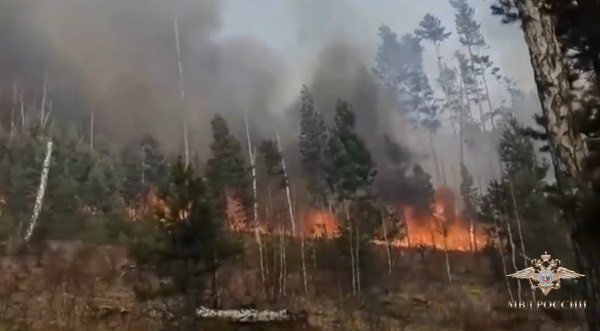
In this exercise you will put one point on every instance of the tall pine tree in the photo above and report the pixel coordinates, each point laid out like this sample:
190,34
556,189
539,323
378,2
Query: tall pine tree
227,170
312,144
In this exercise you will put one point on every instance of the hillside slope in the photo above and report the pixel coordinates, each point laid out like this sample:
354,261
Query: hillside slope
70,286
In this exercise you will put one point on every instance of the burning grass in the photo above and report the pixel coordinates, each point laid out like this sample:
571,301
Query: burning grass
445,228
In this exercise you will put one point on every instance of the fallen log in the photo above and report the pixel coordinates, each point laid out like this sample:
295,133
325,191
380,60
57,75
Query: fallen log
250,315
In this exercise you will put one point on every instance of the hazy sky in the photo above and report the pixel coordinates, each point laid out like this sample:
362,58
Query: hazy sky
284,25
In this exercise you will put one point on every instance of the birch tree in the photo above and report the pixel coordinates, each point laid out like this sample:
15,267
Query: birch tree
39,199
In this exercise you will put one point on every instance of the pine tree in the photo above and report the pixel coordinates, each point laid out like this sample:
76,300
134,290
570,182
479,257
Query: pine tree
422,100
388,65
451,86
146,168
188,246
527,220
469,33
351,171
227,171
351,167
564,113
431,30
312,144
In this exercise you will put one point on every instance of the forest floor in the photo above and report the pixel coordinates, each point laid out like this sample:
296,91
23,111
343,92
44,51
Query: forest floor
71,286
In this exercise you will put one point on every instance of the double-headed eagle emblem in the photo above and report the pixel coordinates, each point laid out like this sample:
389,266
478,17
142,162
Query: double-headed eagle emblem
546,273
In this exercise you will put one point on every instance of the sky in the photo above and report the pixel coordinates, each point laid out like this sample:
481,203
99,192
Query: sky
270,21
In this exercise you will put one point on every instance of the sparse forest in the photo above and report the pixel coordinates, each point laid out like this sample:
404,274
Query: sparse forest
323,208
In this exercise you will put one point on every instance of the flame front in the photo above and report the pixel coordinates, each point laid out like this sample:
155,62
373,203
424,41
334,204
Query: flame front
444,228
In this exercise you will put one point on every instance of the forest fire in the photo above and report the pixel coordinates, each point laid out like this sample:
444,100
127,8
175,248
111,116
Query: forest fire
445,229
321,224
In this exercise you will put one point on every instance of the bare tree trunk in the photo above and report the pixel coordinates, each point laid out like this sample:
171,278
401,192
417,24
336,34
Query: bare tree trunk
92,130
268,213
216,292
462,124
12,110
454,181
444,174
287,188
181,92
387,244
481,117
403,213
445,234
284,260
303,265
43,106
357,260
518,219
501,251
47,114
438,175
431,232
472,236
352,256
252,156
22,110
487,95
41,191
513,249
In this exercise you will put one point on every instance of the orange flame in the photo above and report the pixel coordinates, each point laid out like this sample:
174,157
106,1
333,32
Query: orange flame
445,229
320,224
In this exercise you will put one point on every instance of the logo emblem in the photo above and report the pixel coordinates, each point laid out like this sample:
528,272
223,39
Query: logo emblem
546,273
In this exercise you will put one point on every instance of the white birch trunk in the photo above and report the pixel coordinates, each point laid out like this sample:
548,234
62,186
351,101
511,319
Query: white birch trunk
387,245
357,262
92,130
12,110
480,107
41,191
252,156
518,219
448,270
287,188
303,265
487,95
22,110
283,271
43,106
47,114
181,91
247,315
352,256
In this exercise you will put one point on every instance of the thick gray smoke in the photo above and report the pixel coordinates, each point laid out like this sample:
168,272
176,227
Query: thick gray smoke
119,58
